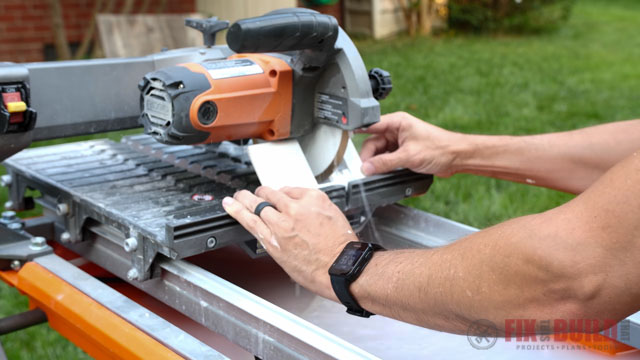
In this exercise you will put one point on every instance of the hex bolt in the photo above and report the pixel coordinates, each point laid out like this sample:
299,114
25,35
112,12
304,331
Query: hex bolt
211,242
130,244
9,216
132,274
65,237
8,205
16,225
38,243
15,265
62,209
5,180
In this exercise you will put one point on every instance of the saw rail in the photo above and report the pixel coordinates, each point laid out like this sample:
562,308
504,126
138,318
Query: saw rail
252,321
271,325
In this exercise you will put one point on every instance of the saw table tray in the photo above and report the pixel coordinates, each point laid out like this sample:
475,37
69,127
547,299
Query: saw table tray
166,199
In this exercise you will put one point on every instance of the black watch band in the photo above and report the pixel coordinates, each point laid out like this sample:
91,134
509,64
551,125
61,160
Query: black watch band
341,288
346,269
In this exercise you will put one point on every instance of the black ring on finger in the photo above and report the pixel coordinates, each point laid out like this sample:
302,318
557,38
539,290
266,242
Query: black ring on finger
261,207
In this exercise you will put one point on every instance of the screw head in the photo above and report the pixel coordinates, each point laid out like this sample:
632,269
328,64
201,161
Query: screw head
8,205
408,191
5,180
130,244
62,209
211,242
132,274
38,242
65,237
15,265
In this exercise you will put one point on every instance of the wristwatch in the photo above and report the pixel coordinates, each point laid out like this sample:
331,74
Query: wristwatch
346,269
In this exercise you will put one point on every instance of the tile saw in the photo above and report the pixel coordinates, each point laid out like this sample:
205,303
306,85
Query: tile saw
277,105
134,256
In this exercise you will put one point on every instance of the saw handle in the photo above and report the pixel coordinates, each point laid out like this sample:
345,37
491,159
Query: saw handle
278,32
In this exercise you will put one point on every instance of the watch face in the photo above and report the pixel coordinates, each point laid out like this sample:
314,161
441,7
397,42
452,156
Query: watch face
348,258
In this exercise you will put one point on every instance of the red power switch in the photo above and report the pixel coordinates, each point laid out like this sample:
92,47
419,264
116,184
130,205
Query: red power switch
15,105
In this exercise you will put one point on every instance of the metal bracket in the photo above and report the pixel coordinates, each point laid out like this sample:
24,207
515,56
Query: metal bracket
18,247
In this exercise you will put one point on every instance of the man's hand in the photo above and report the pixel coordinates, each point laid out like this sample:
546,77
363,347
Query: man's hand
400,140
304,233
568,161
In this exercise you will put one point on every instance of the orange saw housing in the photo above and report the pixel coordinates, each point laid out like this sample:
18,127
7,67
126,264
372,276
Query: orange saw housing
244,96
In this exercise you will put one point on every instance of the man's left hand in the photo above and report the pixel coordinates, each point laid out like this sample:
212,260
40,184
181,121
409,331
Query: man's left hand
304,233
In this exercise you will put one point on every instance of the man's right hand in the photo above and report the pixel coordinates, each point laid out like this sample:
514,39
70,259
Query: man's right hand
400,140
567,161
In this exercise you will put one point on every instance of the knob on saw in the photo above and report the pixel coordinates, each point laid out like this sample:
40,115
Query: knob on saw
208,27
380,83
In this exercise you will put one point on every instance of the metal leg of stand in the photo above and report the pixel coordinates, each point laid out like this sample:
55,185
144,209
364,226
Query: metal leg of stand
22,321
3,356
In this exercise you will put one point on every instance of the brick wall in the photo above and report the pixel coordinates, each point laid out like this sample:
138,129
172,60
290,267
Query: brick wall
25,25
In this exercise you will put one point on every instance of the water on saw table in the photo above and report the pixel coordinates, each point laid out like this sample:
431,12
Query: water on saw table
368,213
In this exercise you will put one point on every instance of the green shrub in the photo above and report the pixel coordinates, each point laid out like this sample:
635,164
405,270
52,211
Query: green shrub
519,16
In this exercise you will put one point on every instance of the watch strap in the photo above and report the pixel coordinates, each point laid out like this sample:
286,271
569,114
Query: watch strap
341,288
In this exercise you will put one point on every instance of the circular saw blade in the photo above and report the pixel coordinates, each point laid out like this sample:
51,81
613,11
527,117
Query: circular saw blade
324,149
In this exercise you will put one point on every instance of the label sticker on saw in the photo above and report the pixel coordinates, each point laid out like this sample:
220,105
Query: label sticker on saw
202,197
223,69
331,108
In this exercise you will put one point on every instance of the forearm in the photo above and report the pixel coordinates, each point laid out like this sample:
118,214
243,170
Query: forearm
577,261
568,161
489,275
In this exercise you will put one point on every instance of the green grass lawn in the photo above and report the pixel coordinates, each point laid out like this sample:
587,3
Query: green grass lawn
584,74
